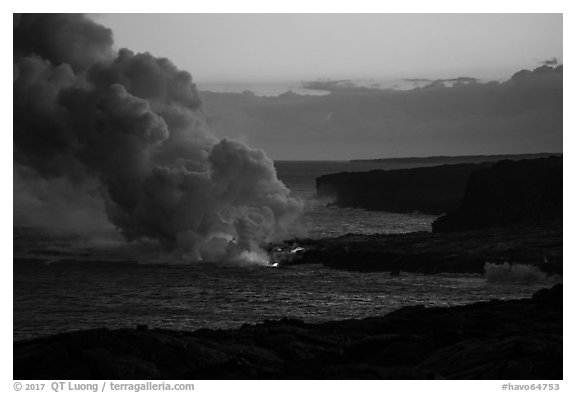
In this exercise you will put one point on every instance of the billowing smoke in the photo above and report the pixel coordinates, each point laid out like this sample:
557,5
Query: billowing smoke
130,128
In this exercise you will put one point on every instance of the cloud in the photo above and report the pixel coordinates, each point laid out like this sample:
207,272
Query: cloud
445,117
553,61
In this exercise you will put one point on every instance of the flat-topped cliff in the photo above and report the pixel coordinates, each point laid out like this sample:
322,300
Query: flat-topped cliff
432,190
510,192
487,194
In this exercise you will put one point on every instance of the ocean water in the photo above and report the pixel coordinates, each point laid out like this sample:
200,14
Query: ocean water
78,278
320,219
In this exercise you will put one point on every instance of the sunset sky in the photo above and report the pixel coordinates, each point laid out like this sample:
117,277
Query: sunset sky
291,47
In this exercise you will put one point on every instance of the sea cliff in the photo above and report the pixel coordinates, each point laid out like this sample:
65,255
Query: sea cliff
508,193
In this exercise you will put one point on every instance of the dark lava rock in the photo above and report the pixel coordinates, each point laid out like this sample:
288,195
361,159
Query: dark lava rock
510,192
424,252
515,339
433,190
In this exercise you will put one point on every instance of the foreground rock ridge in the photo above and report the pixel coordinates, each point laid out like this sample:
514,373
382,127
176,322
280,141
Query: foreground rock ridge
514,339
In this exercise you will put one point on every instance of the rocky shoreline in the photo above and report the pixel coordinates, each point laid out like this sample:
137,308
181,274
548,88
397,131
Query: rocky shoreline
430,190
515,339
539,245
475,195
507,216
503,212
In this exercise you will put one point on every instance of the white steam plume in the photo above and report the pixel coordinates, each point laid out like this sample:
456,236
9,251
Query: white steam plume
133,124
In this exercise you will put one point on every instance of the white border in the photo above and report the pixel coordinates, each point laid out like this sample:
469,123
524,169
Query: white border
248,6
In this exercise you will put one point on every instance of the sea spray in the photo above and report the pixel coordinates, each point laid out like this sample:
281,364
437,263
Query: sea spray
507,272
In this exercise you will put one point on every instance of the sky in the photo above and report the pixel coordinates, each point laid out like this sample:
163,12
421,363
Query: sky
240,48
269,54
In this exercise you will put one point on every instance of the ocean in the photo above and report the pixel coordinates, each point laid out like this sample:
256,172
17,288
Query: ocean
67,279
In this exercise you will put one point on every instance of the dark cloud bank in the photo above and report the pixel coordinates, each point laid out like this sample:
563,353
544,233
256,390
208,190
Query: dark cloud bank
459,116
98,130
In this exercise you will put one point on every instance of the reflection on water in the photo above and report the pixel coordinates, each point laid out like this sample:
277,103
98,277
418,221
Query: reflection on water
63,297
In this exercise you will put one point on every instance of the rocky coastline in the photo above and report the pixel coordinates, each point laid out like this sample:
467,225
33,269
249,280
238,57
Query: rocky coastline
514,339
491,193
539,245
509,340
